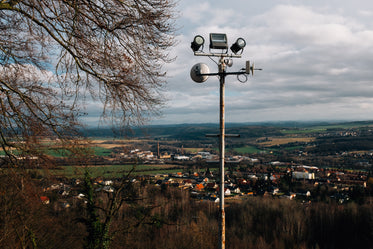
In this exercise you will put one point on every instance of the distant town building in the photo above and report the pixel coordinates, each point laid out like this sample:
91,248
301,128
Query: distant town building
303,175
205,155
181,158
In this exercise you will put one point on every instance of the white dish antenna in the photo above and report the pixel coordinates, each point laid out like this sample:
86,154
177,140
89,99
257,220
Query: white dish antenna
197,70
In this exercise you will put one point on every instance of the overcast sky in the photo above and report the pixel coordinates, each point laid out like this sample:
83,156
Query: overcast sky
317,60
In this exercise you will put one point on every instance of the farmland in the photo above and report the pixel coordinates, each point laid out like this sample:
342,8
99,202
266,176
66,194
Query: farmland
113,171
273,141
177,177
111,156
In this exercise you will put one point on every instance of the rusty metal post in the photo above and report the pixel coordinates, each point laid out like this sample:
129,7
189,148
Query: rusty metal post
200,74
222,67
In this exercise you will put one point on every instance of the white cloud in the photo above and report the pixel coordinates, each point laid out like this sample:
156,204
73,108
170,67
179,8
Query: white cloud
316,59
27,72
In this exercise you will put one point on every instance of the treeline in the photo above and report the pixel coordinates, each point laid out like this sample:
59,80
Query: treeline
165,217
255,223
185,132
268,223
330,145
246,130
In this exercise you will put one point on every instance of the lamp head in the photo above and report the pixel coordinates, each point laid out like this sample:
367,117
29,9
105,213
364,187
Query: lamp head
197,43
238,45
218,41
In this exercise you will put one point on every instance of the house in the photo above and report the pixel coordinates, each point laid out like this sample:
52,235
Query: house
65,205
199,187
188,183
303,175
108,189
242,182
276,163
214,199
165,156
275,178
211,186
182,158
98,180
108,182
291,196
252,177
55,186
44,200
304,193
235,189
275,191
204,155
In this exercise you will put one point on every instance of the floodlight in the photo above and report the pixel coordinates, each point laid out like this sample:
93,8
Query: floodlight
218,41
238,45
197,42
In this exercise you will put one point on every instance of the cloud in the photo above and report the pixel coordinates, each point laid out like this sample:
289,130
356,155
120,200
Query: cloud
316,60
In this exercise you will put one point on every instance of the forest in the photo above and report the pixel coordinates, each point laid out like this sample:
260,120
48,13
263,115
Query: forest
166,217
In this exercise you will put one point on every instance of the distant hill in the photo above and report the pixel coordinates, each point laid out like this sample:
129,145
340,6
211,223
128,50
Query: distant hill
198,131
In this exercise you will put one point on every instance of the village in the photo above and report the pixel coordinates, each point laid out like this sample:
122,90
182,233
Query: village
245,177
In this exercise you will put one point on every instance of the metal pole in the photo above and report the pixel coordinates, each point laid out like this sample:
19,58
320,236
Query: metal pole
222,151
198,75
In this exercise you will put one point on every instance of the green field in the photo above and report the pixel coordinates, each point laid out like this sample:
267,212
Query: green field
96,150
303,131
100,151
293,148
248,149
111,171
193,150
323,128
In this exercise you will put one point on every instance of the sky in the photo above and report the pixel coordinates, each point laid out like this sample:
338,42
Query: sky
316,56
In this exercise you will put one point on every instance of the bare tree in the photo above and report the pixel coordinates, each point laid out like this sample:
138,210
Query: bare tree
109,50
55,55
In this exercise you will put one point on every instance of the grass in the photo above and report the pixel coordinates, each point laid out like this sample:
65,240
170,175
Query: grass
304,131
293,148
273,141
248,149
60,152
111,171
100,151
193,150
321,128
